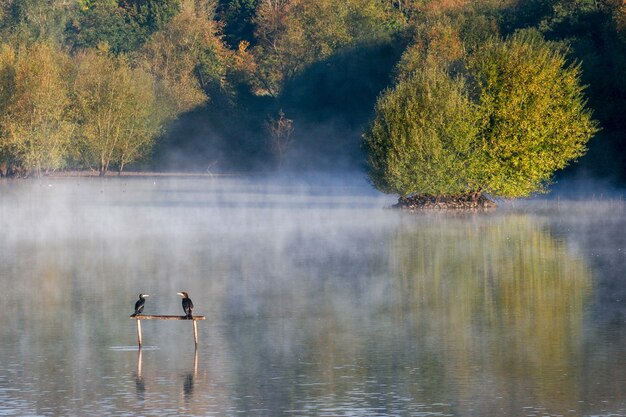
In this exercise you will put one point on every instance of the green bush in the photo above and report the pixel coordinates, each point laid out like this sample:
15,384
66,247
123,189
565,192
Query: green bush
515,115
421,140
534,119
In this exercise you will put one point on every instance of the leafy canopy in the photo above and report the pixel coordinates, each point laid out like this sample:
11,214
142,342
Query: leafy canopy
115,107
423,136
34,105
533,115
292,34
503,125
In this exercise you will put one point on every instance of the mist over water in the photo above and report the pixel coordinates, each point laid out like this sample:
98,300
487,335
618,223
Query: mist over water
319,301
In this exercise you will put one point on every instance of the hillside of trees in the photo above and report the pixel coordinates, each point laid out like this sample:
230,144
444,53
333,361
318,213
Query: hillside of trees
258,85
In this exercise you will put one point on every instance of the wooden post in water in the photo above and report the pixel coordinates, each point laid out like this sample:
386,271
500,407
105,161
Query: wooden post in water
139,333
140,317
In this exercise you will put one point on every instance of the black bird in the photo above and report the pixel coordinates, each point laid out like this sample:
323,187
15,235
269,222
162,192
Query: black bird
187,304
139,304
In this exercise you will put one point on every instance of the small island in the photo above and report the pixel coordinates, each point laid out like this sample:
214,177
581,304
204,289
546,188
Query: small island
452,202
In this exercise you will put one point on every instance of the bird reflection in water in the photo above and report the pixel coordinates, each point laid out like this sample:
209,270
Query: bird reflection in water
188,380
190,377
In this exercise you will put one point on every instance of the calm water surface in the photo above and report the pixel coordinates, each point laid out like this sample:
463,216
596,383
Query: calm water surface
319,302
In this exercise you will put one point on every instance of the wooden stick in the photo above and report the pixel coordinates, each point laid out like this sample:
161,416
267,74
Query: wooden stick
139,333
158,317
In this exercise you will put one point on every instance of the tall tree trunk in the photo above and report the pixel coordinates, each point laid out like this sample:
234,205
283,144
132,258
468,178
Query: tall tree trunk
121,167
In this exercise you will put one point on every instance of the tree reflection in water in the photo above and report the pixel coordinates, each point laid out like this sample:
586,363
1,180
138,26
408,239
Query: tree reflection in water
497,297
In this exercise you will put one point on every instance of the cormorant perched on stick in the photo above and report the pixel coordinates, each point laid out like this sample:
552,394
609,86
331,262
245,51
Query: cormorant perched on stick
187,304
139,304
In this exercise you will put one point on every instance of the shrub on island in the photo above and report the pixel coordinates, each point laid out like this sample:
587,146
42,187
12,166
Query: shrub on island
498,122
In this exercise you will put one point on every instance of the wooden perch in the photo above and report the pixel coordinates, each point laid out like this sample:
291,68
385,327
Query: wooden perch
157,317
140,317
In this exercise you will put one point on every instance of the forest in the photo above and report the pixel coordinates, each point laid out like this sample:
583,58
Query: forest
241,86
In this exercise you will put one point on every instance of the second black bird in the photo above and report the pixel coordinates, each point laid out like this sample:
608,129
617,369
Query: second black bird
187,304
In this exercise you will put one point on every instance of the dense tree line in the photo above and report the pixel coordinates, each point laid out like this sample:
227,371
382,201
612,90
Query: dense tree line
239,85
93,84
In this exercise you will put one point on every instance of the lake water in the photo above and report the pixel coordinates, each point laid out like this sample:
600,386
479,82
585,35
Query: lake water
319,301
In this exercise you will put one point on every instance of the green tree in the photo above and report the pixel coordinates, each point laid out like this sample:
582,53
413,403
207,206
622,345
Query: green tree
281,131
423,138
151,15
238,16
103,21
7,91
293,34
29,20
116,109
534,119
188,59
34,106
435,43
518,117
124,25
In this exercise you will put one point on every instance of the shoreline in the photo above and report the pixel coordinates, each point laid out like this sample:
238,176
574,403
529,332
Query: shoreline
467,202
126,174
